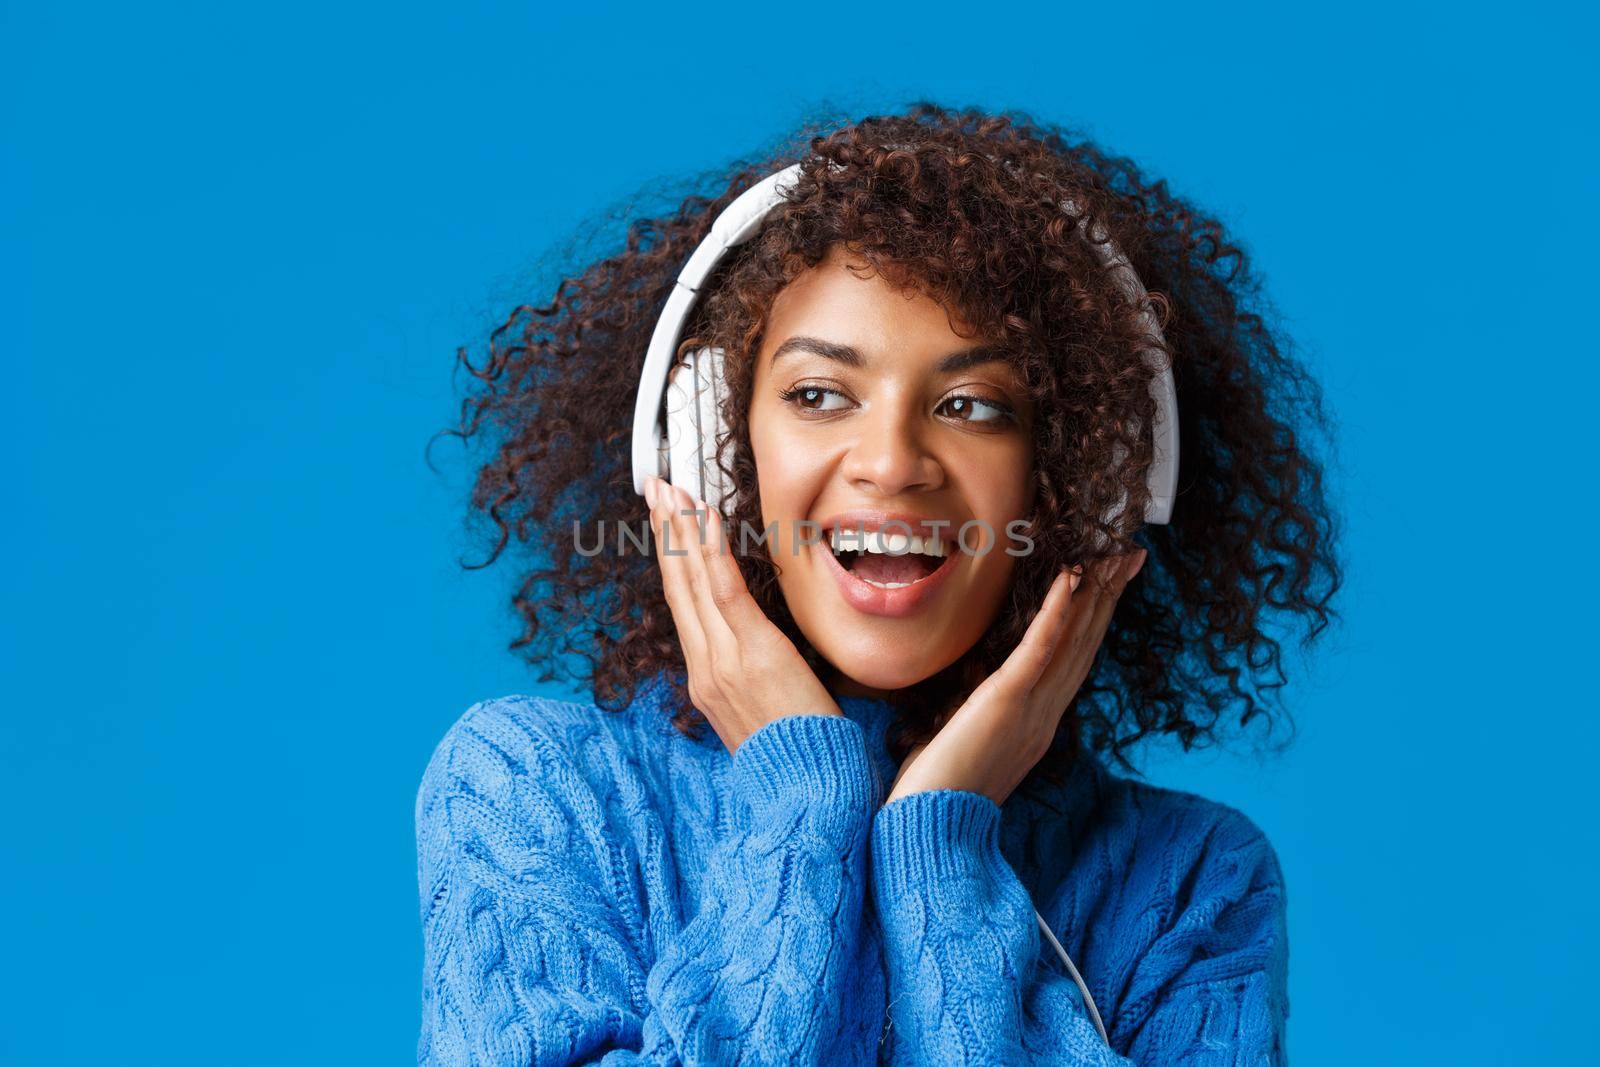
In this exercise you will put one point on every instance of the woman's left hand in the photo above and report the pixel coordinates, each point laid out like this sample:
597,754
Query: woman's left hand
1008,723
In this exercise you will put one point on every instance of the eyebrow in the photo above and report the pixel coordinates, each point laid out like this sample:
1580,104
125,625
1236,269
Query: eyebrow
851,357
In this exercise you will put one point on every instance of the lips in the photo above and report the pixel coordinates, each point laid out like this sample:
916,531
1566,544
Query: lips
904,600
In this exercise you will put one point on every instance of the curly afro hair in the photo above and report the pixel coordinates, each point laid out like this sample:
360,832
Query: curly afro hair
964,207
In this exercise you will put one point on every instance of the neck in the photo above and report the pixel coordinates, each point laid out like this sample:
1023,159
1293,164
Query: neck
841,685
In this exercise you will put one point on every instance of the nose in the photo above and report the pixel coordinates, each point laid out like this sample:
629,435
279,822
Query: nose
888,456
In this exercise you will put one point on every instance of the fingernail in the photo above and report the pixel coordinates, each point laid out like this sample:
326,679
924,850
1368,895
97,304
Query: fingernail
650,490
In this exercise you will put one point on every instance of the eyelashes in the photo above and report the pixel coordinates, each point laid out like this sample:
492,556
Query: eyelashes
793,397
815,399
1003,412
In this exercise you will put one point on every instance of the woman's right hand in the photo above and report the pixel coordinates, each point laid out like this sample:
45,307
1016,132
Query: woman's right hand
743,671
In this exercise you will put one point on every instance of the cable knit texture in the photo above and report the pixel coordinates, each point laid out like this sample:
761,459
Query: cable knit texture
598,888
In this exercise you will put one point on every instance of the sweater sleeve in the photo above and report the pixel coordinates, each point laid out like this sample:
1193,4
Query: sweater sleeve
968,983
535,948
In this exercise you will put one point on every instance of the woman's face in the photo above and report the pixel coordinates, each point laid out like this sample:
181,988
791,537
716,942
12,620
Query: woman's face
870,412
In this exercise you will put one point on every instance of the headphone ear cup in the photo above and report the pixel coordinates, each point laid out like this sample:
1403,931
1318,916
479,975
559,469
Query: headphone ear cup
694,424
678,432
718,488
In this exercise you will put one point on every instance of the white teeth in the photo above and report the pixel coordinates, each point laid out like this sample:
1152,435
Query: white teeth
886,543
886,585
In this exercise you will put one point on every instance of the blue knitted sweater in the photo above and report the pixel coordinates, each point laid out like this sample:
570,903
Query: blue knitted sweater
598,888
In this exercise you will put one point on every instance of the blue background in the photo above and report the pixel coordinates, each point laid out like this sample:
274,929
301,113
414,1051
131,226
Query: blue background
242,243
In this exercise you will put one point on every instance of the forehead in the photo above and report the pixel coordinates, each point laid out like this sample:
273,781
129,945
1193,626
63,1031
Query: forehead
845,300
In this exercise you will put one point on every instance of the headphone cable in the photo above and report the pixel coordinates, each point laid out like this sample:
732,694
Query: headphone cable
1088,999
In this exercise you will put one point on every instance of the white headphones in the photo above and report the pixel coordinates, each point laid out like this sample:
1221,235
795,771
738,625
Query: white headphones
678,421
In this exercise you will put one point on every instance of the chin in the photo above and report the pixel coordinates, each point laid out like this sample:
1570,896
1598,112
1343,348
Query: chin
882,676
876,667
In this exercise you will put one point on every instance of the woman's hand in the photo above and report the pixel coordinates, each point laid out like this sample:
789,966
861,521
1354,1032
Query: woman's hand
743,672
1006,726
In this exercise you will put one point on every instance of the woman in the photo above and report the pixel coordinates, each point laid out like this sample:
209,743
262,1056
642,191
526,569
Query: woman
830,777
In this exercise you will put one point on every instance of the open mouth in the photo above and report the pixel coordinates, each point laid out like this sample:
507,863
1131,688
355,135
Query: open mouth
889,560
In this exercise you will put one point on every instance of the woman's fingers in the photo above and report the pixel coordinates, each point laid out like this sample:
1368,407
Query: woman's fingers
729,592
674,574
1090,621
1010,720
699,544
720,593
739,678
1092,613
1043,638
1099,589
1107,603
1055,639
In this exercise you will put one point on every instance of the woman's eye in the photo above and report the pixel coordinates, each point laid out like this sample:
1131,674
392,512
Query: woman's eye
815,398
976,409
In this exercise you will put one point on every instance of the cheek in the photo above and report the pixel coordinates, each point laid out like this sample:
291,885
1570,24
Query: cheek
1019,501
764,450
785,470
1001,487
